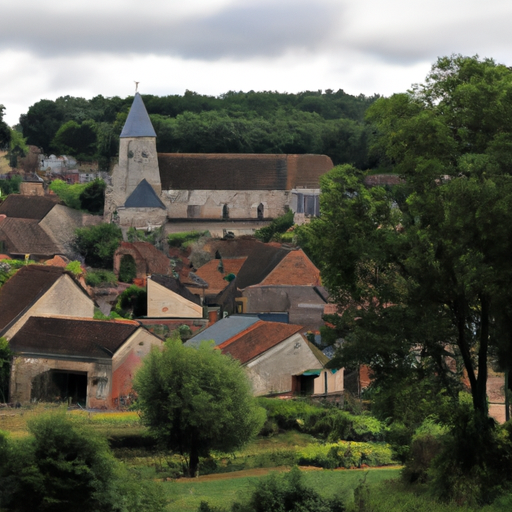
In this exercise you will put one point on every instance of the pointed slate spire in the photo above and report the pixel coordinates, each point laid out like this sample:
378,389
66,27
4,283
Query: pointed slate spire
144,196
138,123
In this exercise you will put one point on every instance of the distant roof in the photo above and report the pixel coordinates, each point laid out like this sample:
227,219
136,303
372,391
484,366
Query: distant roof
23,289
175,286
72,337
144,196
28,207
211,274
294,269
26,236
224,171
224,329
138,123
257,339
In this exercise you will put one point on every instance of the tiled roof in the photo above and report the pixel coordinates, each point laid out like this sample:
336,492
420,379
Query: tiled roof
215,279
224,329
262,260
26,236
72,337
156,261
174,285
138,123
257,339
294,269
144,196
23,289
193,171
28,207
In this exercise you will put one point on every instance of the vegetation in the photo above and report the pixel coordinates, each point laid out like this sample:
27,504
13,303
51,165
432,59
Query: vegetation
10,186
132,303
5,369
185,238
196,400
97,244
81,196
277,226
100,277
127,269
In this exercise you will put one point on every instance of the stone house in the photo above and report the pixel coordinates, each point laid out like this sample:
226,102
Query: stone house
38,290
168,298
278,358
39,226
77,360
148,188
146,257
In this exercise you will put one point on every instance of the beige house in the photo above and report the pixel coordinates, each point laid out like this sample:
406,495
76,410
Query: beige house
39,290
168,298
76,360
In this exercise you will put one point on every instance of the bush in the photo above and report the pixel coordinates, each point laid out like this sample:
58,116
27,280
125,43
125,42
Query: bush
11,186
92,197
97,244
101,278
70,194
185,238
127,269
277,226
132,302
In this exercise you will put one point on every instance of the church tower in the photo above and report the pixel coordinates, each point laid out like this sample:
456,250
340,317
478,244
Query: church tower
138,162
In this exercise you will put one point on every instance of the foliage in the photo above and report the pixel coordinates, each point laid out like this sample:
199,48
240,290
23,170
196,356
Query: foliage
5,368
132,303
70,194
92,197
10,186
181,239
75,267
325,422
97,244
196,400
65,466
17,148
154,237
77,139
5,132
101,277
285,493
127,269
277,226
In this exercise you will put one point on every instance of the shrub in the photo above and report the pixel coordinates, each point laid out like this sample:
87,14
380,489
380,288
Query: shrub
127,269
132,302
277,226
70,194
75,268
97,244
101,277
92,197
185,238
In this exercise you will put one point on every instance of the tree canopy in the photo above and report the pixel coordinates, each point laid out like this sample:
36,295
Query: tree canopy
97,244
196,400
421,273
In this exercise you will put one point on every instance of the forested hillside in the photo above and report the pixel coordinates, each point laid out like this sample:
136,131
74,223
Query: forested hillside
326,122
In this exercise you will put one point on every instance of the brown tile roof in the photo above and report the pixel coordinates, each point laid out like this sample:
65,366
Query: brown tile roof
258,338
26,236
294,269
193,171
23,289
156,261
28,207
72,337
215,279
174,285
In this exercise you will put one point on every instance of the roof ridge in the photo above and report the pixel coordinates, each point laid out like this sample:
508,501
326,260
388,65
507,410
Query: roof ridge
239,335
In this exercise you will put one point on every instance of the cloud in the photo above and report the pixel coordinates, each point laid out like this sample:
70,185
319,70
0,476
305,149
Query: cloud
236,30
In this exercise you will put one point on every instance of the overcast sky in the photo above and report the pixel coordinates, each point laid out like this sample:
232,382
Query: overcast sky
85,48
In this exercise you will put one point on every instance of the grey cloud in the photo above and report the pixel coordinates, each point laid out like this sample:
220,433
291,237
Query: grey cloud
238,32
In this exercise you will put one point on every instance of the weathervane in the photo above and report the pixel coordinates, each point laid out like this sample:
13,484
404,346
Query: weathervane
136,85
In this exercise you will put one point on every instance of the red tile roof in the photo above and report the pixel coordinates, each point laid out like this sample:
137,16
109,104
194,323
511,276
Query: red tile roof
215,279
294,269
258,338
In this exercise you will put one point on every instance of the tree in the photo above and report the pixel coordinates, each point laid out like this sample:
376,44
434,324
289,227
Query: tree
76,139
92,198
5,369
97,244
196,400
5,132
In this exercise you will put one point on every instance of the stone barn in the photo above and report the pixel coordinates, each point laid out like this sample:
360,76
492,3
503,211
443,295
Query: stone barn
75,360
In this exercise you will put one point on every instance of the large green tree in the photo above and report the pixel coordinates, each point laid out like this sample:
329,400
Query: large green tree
97,244
197,400
431,261
5,132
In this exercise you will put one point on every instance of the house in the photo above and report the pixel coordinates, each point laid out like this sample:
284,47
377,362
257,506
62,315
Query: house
278,358
39,226
149,188
39,290
168,298
77,360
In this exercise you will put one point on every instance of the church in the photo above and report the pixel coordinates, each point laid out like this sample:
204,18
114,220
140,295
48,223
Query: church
148,188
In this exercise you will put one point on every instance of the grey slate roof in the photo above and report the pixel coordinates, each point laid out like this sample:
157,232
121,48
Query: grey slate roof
138,123
223,330
144,196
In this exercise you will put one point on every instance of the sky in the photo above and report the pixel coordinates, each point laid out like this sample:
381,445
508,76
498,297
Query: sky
86,48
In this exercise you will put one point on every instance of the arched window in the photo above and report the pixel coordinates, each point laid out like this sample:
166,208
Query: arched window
261,212
225,212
